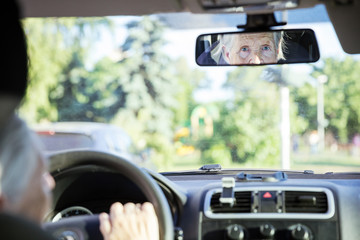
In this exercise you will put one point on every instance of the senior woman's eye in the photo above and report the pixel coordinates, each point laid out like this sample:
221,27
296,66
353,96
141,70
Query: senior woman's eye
266,48
244,49
244,52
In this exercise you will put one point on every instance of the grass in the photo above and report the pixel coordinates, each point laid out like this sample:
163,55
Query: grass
320,163
189,162
327,162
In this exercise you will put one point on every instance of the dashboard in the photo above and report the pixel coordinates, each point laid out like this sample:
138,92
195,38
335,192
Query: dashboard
303,206
222,206
270,212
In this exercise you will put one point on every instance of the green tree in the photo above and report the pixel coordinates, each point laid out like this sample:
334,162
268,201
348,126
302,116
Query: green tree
248,124
56,47
48,56
340,95
141,92
77,94
187,81
150,88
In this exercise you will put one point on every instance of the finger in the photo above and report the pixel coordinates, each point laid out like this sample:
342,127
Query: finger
140,220
129,208
149,213
105,225
151,221
116,214
116,209
148,208
131,217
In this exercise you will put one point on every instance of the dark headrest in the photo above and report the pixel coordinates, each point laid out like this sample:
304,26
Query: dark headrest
17,228
13,49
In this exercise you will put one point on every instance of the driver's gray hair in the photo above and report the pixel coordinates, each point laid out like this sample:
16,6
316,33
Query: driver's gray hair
19,157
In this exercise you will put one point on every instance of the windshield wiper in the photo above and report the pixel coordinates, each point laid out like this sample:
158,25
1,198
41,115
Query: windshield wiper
205,169
211,168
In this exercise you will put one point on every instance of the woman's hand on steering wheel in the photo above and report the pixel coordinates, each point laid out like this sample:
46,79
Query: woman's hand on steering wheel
130,221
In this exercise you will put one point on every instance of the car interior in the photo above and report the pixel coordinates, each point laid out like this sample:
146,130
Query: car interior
211,202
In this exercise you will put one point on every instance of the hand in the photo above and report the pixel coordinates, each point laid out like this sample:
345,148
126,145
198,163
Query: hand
130,222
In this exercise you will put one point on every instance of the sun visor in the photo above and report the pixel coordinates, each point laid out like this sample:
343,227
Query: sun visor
345,17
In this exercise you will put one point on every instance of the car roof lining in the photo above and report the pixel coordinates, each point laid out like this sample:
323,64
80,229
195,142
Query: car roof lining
92,8
348,36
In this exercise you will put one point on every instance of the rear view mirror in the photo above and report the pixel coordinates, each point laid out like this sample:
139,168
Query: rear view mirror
257,48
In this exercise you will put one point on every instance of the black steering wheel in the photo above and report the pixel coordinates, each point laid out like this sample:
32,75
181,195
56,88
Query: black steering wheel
89,225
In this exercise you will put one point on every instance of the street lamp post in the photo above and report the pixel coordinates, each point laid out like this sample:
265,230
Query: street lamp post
275,75
285,126
322,79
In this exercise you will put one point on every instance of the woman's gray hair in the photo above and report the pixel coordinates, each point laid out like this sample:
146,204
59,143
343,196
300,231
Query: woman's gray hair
19,157
279,44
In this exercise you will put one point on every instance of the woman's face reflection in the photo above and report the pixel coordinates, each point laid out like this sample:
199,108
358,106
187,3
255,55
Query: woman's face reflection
252,48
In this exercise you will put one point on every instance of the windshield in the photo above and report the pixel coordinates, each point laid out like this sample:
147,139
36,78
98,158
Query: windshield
140,74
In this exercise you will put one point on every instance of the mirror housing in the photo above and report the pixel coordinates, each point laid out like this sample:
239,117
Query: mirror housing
257,48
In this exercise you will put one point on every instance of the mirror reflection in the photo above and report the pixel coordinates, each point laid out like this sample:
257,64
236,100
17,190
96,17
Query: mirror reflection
271,47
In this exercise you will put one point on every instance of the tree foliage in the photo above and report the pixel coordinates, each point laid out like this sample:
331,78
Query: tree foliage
187,81
141,92
248,125
341,98
55,46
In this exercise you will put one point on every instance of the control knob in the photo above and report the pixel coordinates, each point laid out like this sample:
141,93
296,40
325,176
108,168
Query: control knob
300,232
235,232
267,230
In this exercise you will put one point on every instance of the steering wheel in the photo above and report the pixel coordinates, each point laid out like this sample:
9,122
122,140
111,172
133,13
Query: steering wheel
66,160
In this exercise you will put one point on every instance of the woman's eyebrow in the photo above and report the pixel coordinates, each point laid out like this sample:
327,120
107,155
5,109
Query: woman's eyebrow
241,47
268,42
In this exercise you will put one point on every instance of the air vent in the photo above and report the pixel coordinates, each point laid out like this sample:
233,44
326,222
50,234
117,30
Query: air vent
272,202
305,202
242,204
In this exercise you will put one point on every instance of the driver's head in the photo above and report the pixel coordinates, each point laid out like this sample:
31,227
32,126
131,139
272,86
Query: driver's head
25,184
252,48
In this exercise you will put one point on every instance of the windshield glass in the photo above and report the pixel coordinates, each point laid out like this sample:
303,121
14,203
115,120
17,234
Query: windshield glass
140,74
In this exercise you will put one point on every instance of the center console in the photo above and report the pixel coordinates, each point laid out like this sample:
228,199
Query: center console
269,212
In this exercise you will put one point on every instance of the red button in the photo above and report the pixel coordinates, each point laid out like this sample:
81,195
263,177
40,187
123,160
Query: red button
267,195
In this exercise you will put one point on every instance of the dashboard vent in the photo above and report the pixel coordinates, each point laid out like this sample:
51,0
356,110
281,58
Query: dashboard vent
305,202
242,204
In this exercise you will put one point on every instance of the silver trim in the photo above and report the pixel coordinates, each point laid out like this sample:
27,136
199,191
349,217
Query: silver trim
330,213
60,214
